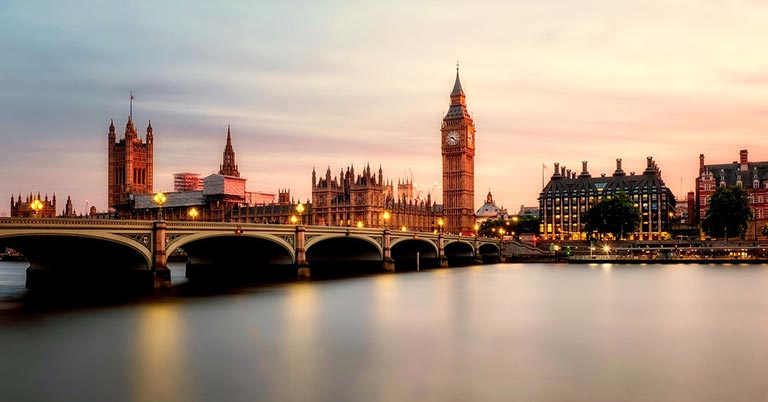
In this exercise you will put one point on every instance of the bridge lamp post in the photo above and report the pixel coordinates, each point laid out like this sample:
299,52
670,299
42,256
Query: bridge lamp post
359,224
294,220
477,227
160,199
193,213
386,217
440,224
300,210
36,206
404,228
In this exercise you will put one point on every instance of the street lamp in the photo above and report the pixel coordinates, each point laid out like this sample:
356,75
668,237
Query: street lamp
607,249
386,217
36,206
300,210
477,227
193,213
440,224
160,199
404,228
294,219
359,224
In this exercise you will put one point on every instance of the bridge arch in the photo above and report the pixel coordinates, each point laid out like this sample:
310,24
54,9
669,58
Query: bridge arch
352,237
80,263
228,257
55,250
489,251
332,255
410,253
180,241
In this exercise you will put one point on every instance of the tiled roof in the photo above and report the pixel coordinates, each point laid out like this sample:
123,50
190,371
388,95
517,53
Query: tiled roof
174,199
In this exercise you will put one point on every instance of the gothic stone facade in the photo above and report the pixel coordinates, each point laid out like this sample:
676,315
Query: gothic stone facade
349,200
130,163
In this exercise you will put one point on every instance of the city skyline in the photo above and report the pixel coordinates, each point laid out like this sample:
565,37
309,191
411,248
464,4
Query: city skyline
306,85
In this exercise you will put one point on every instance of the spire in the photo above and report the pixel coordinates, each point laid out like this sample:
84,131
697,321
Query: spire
130,109
228,166
457,90
149,127
111,126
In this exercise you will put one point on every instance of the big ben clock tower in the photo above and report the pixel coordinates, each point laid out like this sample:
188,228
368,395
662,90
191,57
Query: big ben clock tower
458,146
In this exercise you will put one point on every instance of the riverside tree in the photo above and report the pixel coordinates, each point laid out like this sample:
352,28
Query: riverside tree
728,213
617,215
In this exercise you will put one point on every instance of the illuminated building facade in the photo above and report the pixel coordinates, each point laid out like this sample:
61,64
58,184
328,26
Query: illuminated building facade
567,196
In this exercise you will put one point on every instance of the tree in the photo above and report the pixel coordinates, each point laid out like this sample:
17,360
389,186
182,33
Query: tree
617,215
728,213
516,225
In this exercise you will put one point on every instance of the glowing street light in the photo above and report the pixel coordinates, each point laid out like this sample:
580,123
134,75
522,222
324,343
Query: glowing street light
36,206
294,219
386,217
359,224
404,228
477,227
607,249
193,213
440,224
300,210
160,199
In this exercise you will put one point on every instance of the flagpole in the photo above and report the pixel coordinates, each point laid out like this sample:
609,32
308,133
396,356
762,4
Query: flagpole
130,111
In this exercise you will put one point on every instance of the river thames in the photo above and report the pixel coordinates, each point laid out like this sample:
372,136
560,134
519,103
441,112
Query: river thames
511,332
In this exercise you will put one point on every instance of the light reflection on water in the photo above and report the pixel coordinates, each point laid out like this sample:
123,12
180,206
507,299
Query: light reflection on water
490,333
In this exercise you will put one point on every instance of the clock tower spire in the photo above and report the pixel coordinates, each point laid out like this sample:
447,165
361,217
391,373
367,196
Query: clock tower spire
458,150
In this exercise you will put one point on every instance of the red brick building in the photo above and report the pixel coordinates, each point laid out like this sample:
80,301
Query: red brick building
752,176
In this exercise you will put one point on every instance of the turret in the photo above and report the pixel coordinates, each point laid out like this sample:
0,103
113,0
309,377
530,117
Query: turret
314,177
149,132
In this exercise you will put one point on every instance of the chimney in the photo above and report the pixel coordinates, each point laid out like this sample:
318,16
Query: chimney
619,171
562,171
557,170
744,160
701,163
584,171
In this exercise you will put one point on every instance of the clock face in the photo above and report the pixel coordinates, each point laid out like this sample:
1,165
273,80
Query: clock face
452,138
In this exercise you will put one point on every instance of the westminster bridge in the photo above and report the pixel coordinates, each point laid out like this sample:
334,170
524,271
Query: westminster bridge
135,253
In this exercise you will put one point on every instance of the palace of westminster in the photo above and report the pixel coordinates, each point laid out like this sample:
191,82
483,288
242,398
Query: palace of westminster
365,198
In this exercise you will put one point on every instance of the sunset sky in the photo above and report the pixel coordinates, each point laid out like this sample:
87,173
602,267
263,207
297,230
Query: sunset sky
331,83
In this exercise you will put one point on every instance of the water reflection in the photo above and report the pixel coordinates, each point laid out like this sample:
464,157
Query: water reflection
491,333
159,370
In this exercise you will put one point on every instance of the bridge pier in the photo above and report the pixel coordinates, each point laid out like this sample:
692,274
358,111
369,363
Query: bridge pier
160,271
302,265
442,260
478,257
389,262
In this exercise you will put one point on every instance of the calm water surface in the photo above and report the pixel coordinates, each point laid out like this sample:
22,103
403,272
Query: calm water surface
490,333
